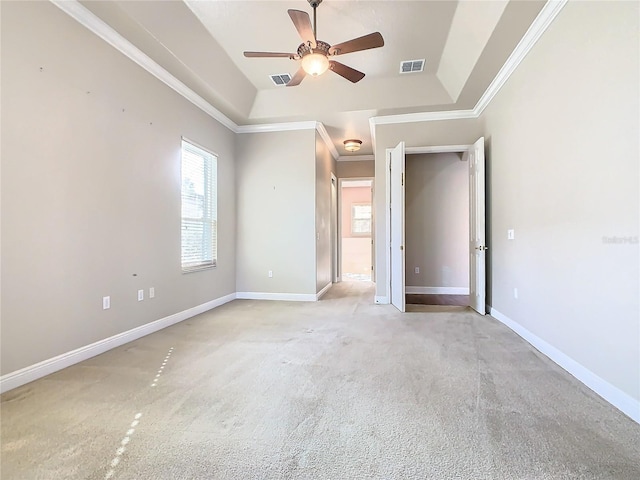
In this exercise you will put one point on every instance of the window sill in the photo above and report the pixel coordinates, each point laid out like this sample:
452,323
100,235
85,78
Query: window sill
198,269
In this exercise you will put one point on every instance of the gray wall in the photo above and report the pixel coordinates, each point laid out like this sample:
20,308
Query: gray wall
563,169
437,220
449,132
276,203
91,190
355,169
325,166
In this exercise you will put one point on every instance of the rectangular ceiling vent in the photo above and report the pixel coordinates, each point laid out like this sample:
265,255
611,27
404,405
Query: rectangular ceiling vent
280,79
412,66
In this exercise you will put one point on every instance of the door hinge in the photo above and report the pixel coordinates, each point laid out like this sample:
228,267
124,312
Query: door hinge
403,179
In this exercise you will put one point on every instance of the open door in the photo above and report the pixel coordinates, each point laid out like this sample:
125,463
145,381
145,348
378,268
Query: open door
477,247
397,254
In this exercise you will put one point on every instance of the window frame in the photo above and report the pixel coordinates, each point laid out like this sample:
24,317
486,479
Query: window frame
354,218
209,218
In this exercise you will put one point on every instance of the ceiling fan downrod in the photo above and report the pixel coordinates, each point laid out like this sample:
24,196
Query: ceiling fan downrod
314,4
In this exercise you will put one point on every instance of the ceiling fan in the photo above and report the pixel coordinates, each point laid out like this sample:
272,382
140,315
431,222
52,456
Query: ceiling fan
314,54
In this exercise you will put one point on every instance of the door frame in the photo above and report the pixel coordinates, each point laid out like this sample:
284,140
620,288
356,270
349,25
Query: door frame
373,222
335,212
387,240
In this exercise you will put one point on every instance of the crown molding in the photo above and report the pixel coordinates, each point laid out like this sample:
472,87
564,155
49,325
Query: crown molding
356,158
276,127
547,14
422,117
86,18
327,140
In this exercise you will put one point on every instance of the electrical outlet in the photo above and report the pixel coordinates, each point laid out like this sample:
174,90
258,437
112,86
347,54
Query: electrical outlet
106,303
152,292
140,295
511,234
515,293
416,270
270,273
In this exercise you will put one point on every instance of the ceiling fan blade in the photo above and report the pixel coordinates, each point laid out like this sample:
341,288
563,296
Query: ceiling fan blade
302,23
297,78
349,73
373,40
269,55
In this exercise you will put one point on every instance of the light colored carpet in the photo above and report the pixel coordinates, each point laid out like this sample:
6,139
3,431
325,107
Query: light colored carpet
338,389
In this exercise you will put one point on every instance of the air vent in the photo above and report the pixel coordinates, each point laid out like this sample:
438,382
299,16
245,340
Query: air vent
412,66
280,79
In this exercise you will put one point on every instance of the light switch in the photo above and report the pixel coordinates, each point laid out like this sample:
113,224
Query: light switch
511,234
106,303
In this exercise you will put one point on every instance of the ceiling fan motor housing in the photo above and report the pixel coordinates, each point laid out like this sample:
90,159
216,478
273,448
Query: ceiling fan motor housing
321,47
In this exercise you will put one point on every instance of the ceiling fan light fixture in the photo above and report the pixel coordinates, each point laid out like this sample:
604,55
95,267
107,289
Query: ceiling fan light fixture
352,145
315,64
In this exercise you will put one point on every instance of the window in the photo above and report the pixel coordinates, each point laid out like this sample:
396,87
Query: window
361,219
199,208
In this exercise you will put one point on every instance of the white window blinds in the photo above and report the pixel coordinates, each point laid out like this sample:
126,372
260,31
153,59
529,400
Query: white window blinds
199,208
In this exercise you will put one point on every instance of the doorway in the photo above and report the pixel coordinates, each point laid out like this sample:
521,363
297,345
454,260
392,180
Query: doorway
356,228
437,229
473,155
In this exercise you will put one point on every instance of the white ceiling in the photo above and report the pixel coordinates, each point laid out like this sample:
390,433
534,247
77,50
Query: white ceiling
201,43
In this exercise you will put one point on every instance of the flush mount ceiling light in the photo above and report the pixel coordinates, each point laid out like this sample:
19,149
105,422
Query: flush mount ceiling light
352,145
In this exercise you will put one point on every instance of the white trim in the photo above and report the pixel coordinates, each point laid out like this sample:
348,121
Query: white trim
438,290
276,127
381,300
321,293
437,149
46,367
327,140
86,18
612,394
547,14
356,158
284,297
423,117
540,24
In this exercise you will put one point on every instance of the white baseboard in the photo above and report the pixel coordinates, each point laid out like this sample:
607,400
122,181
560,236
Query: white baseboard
46,367
438,290
321,293
612,394
285,297
380,300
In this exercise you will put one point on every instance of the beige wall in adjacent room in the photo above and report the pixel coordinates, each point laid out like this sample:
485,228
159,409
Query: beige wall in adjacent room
422,134
355,169
325,166
437,220
563,152
276,206
91,190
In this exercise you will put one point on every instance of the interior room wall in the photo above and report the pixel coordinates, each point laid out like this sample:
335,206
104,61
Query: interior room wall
419,134
564,174
355,169
276,204
325,166
437,223
91,190
356,249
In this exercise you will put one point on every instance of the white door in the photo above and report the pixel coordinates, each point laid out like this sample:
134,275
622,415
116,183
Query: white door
477,247
397,254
